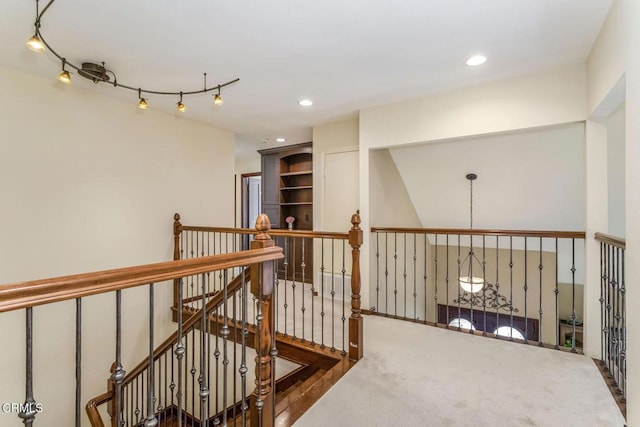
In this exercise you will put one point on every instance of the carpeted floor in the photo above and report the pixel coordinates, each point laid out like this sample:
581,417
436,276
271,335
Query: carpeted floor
415,375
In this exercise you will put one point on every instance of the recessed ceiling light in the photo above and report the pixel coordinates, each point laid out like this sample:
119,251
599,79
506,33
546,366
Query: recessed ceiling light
305,102
280,140
476,60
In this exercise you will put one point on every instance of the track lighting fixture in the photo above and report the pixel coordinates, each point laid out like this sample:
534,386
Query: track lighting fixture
64,76
35,44
181,107
100,74
217,99
143,104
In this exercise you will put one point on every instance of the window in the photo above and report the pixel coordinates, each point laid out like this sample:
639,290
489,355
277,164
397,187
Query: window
508,331
462,323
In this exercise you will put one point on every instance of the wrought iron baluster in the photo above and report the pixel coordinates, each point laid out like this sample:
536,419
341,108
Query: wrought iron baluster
458,286
404,273
243,357
333,295
618,319
202,378
386,273
286,278
274,350
344,300
136,412
498,282
151,420
557,292
216,355
526,288
395,274
511,285
322,312
425,281
29,411
118,374
415,278
179,352
623,352
234,314
573,294
603,285
540,311
293,284
377,270
302,268
484,294
614,332
224,333
193,373
314,292
78,360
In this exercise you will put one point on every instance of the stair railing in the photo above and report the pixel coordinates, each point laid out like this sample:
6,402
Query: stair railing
316,284
29,296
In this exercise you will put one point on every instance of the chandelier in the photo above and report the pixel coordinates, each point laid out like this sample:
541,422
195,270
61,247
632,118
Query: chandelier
99,73
471,276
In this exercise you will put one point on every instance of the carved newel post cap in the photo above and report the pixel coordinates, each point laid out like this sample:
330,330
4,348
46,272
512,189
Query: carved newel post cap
176,217
355,219
263,225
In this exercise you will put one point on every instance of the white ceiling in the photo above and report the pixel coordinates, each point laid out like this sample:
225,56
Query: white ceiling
345,55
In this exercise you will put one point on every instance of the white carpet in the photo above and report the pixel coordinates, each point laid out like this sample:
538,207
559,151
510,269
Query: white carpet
416,375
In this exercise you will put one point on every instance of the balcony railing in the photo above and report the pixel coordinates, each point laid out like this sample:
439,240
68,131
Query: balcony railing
518,285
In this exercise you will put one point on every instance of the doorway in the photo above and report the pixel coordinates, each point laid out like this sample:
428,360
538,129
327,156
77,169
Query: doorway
251,200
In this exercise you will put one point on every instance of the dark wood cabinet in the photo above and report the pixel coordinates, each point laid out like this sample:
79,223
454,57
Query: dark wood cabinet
287,191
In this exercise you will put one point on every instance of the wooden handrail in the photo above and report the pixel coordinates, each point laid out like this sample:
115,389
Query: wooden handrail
92,408
272,232
46,291
196,317
618,242
483,232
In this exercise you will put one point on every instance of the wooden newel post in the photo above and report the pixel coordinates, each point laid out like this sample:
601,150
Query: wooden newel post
261,413
355,320
177,231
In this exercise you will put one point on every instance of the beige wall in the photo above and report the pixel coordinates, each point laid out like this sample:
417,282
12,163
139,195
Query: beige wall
90,183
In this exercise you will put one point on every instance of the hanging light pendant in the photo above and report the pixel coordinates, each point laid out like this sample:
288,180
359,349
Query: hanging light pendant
471,269
181,107
217,99
143,104
35,44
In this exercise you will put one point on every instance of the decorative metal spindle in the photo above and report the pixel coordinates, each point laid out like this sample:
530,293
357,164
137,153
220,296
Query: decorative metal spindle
458,286
557,291
614,331
425,281
274,350
172,385
404,273
119,372
142,396
540,311
603,284
179,352
618,318
166,383
607,318
293,284
243,357
286,277
484,294
216,354
344,299
136,412
386,273
78,360
225,355
498,281
526,288
234,314
303,267
511,285
258,345
573,294
395,274
415,278
623,351
377,271
193,373
333,296
204,385
314,292
322,313
151,420
29,410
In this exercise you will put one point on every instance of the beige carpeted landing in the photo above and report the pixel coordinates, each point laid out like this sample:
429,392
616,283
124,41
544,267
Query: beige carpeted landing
416,375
